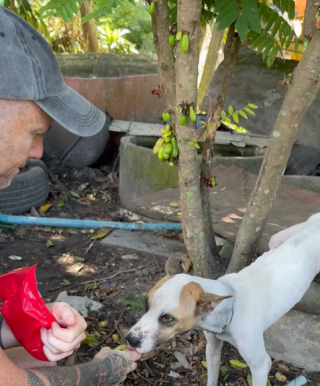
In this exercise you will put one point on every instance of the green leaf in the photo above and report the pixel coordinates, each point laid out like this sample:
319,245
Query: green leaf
243,114
267,50
235,118
249,111
242,27
196,145
63,13
230,110
49,244
69,11
226,17
223,115
251,105
132,301
289,39
228,121
291,9
249,380
284,6
251,12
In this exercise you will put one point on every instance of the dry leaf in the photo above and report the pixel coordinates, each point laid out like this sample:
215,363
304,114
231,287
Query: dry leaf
14,257
280,377
49,244
44,208
102,233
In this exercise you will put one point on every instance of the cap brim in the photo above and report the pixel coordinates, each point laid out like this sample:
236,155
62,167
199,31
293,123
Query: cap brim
74,113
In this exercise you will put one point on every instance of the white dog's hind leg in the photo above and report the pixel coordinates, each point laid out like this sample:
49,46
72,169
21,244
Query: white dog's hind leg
255,355
213,356
282,236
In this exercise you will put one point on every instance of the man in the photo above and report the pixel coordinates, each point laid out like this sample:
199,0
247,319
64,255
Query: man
32,94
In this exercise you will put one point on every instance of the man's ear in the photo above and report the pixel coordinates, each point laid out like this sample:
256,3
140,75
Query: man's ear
208,302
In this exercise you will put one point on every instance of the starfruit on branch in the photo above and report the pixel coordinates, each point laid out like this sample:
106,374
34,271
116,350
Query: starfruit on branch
166,147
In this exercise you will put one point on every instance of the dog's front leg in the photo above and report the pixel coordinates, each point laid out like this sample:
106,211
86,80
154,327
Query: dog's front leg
213,354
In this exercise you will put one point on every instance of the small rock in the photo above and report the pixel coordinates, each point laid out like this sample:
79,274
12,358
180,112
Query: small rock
182,359
175,365
81,304
172,374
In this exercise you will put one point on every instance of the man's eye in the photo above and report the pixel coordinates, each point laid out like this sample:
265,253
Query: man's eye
167,319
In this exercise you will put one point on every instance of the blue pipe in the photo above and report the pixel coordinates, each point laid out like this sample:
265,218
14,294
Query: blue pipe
301,380
91,224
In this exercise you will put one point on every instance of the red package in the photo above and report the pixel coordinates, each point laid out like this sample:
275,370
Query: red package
24,309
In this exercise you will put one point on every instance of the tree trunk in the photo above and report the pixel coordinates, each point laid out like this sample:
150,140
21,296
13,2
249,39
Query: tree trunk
300,95
166,62
89,28
194,232
230,56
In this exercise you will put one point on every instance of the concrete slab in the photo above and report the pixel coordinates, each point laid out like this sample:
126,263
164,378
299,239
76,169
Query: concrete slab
147,243
228,202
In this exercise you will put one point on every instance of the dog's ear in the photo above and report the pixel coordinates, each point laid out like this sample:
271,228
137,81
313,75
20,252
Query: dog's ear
177,263
208,302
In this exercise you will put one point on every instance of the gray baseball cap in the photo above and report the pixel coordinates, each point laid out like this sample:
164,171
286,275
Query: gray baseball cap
30,71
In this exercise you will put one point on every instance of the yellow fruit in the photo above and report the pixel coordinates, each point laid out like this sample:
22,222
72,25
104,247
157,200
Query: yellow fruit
192,114
171,40
179,35
152,8
166,116
238,364
183,120
184,44
158,145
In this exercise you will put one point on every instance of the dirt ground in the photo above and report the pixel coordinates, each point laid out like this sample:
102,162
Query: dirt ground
68,257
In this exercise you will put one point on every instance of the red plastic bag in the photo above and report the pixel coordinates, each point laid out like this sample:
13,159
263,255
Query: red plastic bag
24,309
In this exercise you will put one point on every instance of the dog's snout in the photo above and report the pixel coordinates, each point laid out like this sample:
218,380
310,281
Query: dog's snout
134,341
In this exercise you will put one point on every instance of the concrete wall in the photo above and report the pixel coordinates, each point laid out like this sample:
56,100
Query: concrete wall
254,82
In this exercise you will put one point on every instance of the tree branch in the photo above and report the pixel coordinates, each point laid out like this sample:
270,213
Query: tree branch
300,95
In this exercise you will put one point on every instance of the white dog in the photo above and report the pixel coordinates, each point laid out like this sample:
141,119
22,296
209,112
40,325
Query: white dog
236,308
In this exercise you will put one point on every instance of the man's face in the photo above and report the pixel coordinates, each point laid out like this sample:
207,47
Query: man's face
22,126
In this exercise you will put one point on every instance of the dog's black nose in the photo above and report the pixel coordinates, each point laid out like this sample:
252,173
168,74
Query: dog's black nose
134,341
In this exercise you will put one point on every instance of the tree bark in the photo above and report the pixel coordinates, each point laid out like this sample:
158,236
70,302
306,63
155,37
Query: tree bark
89,28
230,56
309,18
166,60
194,232
300,95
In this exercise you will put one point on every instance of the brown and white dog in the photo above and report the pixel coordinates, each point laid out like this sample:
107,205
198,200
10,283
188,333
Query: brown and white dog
236,308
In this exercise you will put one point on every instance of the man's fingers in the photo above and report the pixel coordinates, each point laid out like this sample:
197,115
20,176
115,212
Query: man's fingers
55,357
58,346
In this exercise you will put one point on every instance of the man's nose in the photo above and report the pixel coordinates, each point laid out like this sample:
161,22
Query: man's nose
134,341
37,148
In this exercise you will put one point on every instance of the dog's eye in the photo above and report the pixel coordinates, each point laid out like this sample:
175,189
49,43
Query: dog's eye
167,319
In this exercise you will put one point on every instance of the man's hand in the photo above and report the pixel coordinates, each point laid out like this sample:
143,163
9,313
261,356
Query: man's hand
65,335
115,365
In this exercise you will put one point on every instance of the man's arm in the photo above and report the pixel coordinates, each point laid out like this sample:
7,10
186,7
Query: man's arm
7,339
108,368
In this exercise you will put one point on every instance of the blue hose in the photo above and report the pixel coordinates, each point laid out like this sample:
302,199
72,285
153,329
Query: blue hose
91,224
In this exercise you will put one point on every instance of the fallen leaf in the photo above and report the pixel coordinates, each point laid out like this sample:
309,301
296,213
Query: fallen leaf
182,359
74,194
102,233
14,257
121,347
132,301
280,377
283,367
65,282
172,374
238,364
44,208
134,256
49,244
